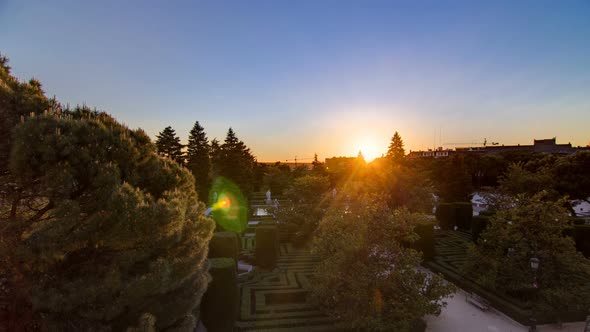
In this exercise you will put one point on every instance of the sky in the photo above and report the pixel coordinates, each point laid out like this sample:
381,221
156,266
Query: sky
294,78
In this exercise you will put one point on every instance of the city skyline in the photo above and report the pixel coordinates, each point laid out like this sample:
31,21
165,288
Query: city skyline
329,78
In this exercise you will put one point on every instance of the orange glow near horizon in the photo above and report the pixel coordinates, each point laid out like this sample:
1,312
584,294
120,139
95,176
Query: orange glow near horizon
369,148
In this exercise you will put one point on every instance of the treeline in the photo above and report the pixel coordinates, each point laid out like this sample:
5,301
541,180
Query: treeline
206,160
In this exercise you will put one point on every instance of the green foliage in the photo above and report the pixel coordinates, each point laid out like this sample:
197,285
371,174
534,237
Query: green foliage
110,230
401,185
224,244
219,309
267,245
478,225
532,227
572,175
169,145
518,180
445,214
463,214
581,235
454,180
277,178
366,277
425,242
198,160
396,151
234,161
309,189
17,99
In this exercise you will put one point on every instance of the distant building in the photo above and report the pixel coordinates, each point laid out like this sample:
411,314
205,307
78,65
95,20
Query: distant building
539,145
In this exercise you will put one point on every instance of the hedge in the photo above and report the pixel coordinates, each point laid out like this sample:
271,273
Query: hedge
478,224
425,242
220,304
267,245
582,238
463,214
445,214
224,244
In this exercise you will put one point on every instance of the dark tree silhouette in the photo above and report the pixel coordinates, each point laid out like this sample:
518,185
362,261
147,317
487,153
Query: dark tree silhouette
198,160
396,148
235,162
169,145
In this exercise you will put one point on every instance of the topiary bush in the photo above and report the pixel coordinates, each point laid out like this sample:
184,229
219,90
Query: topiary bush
581,236
463,214
220,305
109,229
267,246
224,244
478,225
445,214
425,241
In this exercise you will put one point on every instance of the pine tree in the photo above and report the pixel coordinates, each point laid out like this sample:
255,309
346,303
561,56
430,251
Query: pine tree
169,145
198,160
236,162
113,230
396,150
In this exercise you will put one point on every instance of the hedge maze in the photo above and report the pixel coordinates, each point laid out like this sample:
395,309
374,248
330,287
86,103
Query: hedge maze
276,298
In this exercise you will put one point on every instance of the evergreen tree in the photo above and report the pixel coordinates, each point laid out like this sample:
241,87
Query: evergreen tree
235,162
111,230
169,145
396,150
198,160
16,99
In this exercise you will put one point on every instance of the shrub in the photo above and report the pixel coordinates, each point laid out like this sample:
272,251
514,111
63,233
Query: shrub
478,225
267,246
463,215
582,239
445,214
220,305
487,213
425,242
224,244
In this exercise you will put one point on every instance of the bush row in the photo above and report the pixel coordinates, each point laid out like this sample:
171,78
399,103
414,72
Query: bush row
425,242
267,245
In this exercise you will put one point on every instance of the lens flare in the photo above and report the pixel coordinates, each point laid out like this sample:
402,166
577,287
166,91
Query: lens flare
229,207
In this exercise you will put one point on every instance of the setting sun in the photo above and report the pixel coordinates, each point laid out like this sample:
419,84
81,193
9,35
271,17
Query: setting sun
369,148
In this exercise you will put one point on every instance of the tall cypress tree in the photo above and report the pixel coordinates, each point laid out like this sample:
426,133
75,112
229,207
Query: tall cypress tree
169,145
396,150
236,162
198,160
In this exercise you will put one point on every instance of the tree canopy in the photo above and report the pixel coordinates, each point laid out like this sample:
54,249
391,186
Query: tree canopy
106,229
233,160
396,151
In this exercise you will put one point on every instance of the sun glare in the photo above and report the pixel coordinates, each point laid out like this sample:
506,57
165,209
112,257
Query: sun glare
369,149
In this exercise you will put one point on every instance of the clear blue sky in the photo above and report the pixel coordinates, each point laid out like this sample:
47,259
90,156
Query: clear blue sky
298,77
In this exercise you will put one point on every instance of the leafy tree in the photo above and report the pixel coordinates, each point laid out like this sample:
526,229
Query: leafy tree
572,175
277,178
110,230
396,151
235,162
366,277
518,180
532,226
198,160
169,145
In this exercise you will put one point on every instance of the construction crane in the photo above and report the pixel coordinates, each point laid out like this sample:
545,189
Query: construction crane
485,142
295,159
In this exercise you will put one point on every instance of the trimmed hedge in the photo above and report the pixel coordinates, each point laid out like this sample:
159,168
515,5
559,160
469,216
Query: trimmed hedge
221,302
487,213
425,243
445,214
478,224
582,238
267,245
224,244
463,214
